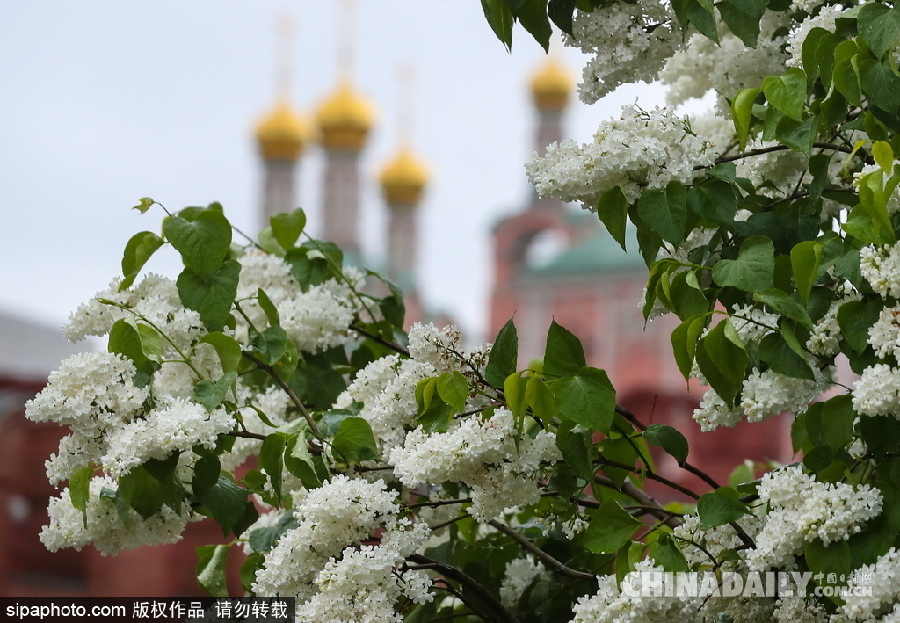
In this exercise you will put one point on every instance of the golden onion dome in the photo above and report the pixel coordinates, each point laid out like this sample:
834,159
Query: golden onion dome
403,178
345,119
551,86
282,133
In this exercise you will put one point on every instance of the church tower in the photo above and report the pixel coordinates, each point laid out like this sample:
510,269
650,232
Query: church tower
281,135
551,90
344,121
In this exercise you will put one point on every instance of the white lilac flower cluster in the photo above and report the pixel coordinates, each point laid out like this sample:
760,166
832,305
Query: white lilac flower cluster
726,67
501,469
608,605
884,335
704,549
314,320
104,527
155,298
325,563
883,579
824,340
796,609
880,266
640,149
518,575
386,388
763,395
802,510
877,391
628,43
95,396
753,323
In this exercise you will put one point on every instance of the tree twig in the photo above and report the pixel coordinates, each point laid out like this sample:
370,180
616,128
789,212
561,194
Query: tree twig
540,554
455,574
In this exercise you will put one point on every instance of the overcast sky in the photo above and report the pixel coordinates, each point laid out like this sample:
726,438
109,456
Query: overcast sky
104,102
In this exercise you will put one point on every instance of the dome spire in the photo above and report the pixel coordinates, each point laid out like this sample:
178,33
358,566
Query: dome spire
552,84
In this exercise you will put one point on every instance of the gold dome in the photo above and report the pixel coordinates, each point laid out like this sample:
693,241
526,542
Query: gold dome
403,178
345,119
551,86
282,133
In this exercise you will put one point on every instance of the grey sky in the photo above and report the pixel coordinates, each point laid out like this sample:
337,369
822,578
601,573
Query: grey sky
105,102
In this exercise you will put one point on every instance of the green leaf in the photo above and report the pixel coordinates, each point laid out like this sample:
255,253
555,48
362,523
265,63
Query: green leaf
610,528
742,18
354,441
879,27
665,212
249,568
268,307
564,354
787,93
754,268
210,394
782,302
270,345
211,569
613,212
532,14
798,135
80,490
500,18
435,415
206,472
845,77
144,205
805,260
587,398
203,242
687,296
139,249
666,553
514,392
684,343
699,13
504,355
139,342
837,420
881,84
560,11
287,227
210,295
271,459
884,156
720,507
826,559
723,360
669,439
264,539
224,502
453,388
741,113
855,318
540,398
782,358
577,449
227,348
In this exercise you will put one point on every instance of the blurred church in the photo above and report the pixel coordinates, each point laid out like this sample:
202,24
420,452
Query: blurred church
550,261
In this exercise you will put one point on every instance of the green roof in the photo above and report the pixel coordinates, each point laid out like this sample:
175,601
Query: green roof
598,253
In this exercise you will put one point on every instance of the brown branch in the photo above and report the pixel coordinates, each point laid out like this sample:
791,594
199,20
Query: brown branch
540,554
696,471
290,392
653,507
477,589
377,338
